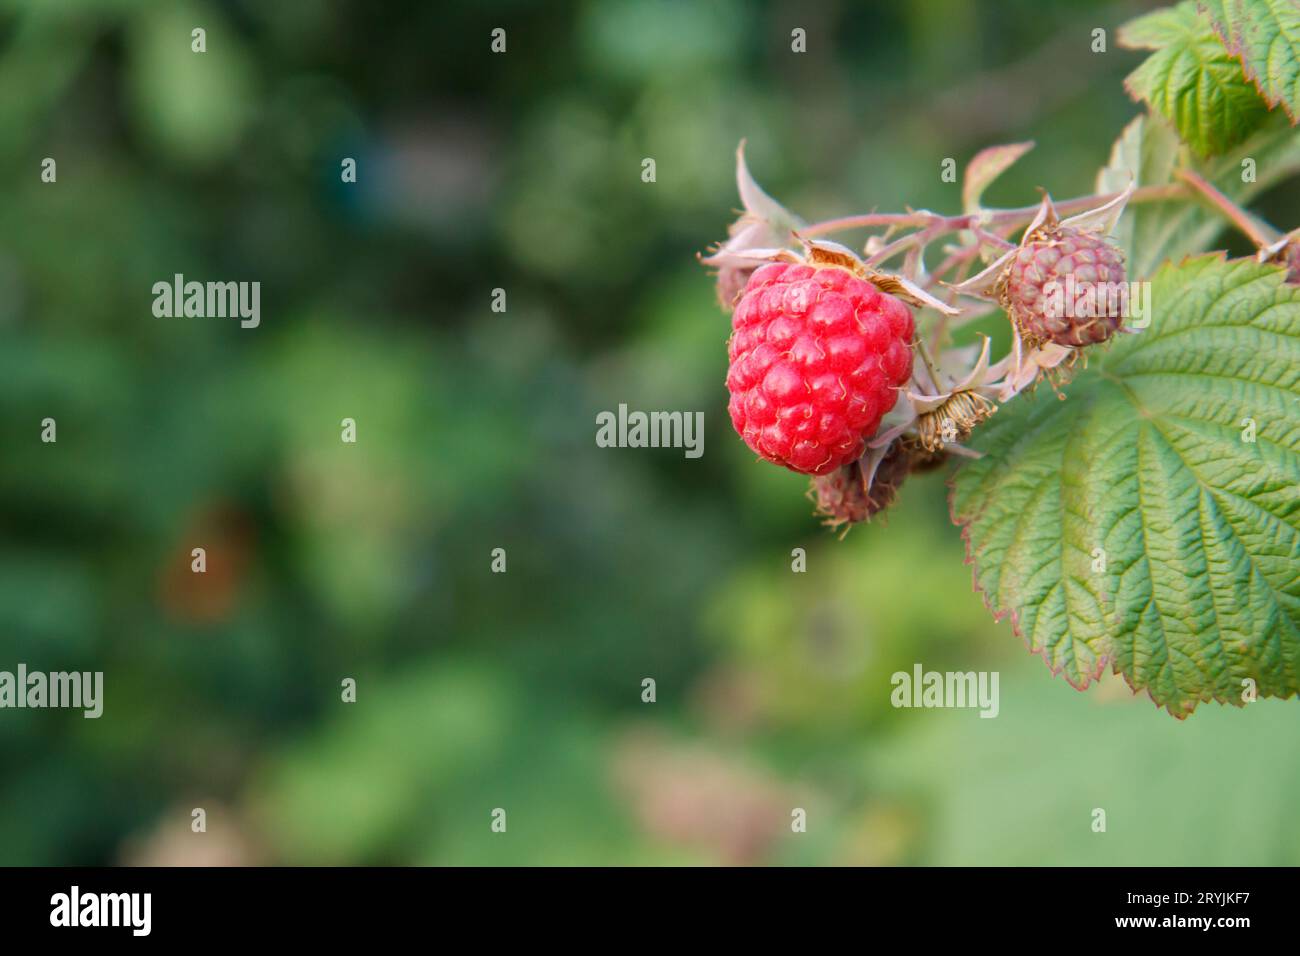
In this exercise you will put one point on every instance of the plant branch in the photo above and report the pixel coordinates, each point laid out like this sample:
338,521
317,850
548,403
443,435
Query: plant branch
1256,230
929,365
939,225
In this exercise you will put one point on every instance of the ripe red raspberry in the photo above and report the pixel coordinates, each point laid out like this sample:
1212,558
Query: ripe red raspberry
1047,284
817,355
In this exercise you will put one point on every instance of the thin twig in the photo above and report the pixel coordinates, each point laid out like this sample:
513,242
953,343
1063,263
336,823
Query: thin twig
996,218
1256,230
929,366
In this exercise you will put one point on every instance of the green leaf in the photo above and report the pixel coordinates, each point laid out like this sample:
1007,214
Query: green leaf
1148,152
1149,460
985,167
1265,36
1191,79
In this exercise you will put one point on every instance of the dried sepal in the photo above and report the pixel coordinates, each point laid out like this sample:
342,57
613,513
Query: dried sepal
954,420
935,422
984,284
764,225
1024,365
909,292
949,417
1101,220
1044,220
823,252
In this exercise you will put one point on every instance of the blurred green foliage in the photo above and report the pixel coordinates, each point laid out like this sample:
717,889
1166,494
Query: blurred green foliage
327,560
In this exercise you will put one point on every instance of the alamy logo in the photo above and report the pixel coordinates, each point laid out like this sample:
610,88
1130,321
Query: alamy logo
651,430
56,689
1077,299
923,688
75,908
218,300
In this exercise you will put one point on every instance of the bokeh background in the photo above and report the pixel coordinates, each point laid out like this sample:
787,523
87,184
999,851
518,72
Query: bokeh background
476,431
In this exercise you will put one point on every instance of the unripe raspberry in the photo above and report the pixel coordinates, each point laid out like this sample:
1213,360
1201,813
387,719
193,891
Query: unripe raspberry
841,495
817,355
848,495
1065,286
1291,258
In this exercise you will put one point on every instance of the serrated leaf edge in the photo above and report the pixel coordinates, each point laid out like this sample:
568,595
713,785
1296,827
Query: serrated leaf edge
1000,614
1252,76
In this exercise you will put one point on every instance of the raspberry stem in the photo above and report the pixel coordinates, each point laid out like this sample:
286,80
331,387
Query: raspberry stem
1256,230
924,352
961,256
938,225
